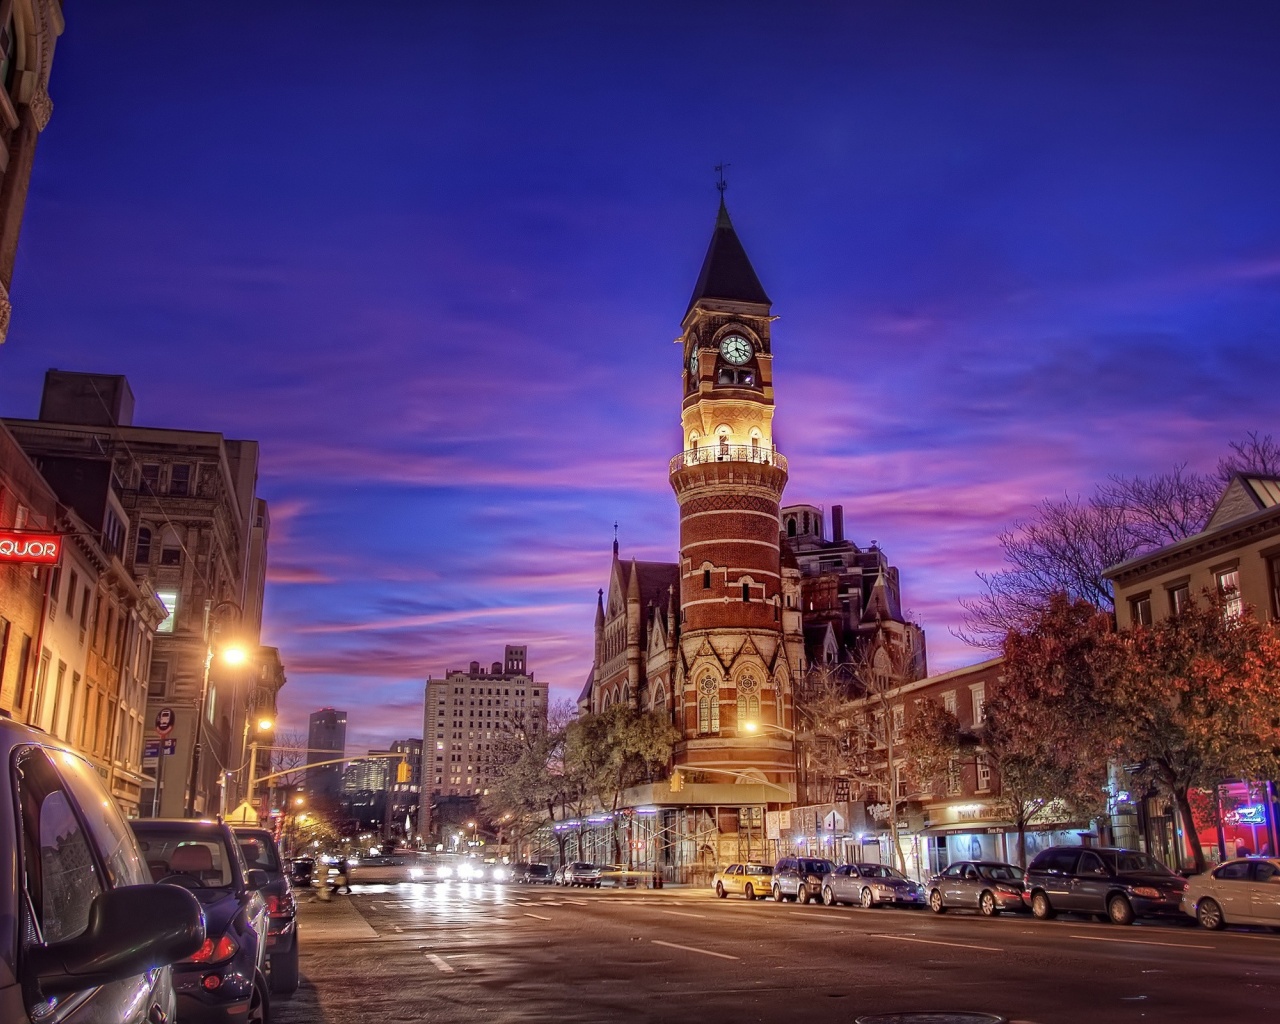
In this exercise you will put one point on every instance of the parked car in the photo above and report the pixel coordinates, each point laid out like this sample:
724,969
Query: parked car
800,878
987,886
1118,884
88,937
300,871
259,849
1243,891
870,885
581,873
536,874
225,980
754,881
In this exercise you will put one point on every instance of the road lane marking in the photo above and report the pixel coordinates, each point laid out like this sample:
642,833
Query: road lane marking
443,967
935,942
682,913
538,916
695,949
1145,942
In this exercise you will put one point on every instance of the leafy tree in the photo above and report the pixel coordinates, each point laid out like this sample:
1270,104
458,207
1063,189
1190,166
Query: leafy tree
616,749
529,782
1067,543
1197,700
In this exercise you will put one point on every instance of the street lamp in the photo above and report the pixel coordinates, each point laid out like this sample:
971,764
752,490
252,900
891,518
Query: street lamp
232,654
752,726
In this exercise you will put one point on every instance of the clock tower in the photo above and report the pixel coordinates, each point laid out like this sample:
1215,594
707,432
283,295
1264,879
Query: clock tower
740,642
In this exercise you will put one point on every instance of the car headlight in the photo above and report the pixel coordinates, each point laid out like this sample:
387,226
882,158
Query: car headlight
1147,891
499,874
444,872
415,872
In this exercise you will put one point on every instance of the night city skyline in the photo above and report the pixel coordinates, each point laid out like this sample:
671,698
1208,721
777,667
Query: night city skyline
434,259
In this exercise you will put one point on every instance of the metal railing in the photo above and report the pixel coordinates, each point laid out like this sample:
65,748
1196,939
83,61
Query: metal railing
728,453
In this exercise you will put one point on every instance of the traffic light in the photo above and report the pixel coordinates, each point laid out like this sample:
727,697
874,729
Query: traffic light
402,772
677,781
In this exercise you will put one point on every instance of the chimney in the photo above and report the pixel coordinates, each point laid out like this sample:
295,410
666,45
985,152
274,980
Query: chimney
837,523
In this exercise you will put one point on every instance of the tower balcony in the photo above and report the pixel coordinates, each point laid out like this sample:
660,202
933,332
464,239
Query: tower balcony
713,453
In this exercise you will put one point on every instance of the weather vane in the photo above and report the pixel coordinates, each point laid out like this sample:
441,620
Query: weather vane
721,184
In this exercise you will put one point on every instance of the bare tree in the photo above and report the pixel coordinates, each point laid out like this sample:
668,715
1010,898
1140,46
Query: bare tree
1067,543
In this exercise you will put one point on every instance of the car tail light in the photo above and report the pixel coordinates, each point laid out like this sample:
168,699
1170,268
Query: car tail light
280,906
214,951
1147,891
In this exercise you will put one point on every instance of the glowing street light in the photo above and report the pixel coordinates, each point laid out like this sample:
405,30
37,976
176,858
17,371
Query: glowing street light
752,726
234,654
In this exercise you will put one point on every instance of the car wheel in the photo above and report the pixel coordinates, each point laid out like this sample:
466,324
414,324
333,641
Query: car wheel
1120,910
259,1003
935,902
777,895
720,893
1209,914
866,899
1041,907
284,971
987,905
828,897
802,895
749,892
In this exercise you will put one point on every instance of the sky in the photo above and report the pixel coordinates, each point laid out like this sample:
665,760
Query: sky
433,256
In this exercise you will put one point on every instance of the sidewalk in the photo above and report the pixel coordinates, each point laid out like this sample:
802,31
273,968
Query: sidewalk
334,921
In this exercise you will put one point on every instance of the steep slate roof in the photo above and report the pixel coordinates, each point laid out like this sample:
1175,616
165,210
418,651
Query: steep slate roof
1243,496
655,578
726,271
585,695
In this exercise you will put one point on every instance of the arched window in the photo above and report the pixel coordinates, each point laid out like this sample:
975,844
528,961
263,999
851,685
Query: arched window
748,708
626,694
660,698
142,549
709,705
724,447
806,522
791,526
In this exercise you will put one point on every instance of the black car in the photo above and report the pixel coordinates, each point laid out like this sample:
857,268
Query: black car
536,874
225,980
800,878
1114,883
300,871
259,848
88,937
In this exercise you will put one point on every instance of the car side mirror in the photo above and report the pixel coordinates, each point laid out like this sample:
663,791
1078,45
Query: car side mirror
131,930
256,878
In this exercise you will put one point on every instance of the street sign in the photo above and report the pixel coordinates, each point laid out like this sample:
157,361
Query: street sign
169,747
164,721
151,748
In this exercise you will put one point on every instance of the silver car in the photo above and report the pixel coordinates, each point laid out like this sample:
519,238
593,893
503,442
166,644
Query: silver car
870,885
987,886
1241,891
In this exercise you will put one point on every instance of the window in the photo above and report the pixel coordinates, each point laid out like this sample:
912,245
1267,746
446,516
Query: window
109,832
954,780
168,598
24,666
150,478
984,773
61,878
746,593
71,593
158,682
1273,585
791,526
949,702
1140,610
979,693
709,706
1179,599
1090,864
55,583
180,479
1229,589
142,548
899,721
706,579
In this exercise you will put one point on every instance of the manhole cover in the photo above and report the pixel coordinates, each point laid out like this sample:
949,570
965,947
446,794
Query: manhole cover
931,1017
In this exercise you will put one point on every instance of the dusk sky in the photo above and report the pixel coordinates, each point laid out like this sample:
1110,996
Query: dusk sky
433,256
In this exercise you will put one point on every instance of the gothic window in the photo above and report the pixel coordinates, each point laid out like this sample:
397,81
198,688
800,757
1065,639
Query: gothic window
746,593
748,701
791,526
706,579
709,706
660,698
806,522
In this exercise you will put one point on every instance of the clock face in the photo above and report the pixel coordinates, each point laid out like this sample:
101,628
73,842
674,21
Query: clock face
735,349
693,363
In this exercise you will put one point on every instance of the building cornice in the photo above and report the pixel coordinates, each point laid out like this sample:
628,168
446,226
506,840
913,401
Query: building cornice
1257,526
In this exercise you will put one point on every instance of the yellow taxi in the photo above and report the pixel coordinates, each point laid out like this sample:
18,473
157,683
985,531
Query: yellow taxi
750,880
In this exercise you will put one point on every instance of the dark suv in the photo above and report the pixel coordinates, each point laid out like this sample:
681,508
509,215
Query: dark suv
1116,884
224,981
800,878
260,851
87,936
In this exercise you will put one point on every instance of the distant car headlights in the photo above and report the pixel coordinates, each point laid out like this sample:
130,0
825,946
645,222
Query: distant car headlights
500,874
415,872
444,872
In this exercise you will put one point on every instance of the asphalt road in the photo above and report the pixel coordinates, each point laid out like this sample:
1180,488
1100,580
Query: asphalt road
455,952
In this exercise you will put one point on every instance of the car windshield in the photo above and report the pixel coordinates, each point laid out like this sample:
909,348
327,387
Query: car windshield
203,856
998,872
539,869
258,852
816,867
1130,860
877,871
758,869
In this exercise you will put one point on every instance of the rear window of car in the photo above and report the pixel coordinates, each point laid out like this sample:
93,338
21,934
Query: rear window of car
816,867
204,857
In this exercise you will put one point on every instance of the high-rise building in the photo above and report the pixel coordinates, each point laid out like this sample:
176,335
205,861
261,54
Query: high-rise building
466,717
326,741
181,506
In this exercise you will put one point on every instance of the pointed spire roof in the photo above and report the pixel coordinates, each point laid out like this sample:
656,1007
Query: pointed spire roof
727,272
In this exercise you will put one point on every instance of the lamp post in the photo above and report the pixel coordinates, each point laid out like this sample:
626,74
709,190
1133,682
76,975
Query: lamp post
260,726
752,726
232,655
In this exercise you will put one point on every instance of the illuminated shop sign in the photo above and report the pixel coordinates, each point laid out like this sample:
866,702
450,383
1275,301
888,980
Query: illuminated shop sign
30,548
